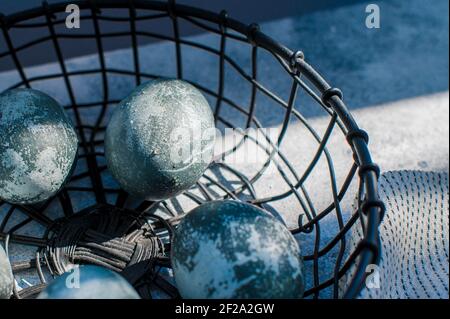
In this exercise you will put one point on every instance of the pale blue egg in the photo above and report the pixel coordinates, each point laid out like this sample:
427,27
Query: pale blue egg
160,139
38,146
228,249
89,282
6,276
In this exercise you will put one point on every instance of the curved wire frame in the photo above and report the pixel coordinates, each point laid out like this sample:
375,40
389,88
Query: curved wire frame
303,77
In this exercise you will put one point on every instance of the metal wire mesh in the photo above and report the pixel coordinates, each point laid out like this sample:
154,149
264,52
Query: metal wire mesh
244,186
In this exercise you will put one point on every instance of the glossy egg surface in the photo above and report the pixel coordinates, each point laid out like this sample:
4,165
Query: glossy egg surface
6,276
89,282
228,249
38,146
160,139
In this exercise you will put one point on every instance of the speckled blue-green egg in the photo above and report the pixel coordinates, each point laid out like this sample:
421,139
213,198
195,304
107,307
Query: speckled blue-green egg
6,276
89,282
228,249
38,146
160,140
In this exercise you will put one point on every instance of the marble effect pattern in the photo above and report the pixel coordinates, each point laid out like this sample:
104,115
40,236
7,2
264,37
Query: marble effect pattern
227,249
89,282
155,145
38,148
6,276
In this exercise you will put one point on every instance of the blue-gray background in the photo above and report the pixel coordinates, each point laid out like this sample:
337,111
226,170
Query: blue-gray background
407,57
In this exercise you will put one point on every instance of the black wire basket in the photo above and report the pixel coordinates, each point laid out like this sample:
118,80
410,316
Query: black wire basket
137,233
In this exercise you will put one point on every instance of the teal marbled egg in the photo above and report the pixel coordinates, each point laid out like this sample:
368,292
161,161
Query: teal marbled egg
6,276
160,140
38,146
89,282
228,249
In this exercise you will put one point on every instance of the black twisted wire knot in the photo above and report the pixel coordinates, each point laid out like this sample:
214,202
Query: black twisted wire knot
251,33
369,204
223,21
330,93
3,22
364,169
108,237
294,61
94,7
365,244
49,14
357,134
171,9
133,13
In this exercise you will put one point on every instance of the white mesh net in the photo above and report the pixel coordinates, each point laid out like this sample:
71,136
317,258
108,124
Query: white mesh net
414,237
